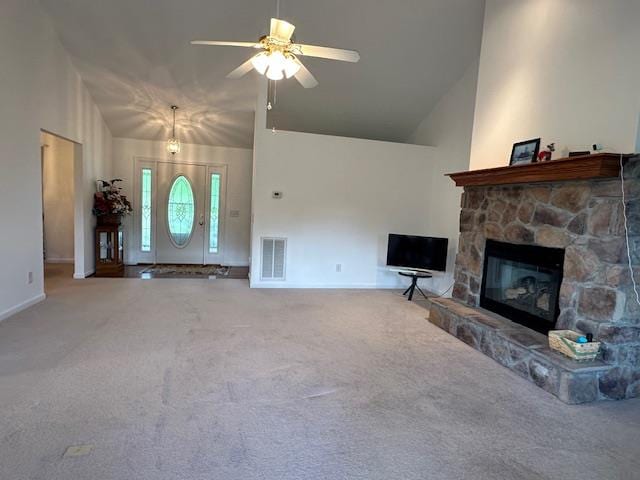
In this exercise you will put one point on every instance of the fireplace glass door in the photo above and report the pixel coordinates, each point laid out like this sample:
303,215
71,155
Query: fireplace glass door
522,282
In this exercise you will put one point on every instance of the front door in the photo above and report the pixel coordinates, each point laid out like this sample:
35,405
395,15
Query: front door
181,212
181,221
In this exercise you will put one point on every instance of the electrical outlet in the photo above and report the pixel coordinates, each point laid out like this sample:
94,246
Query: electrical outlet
338,267
30,278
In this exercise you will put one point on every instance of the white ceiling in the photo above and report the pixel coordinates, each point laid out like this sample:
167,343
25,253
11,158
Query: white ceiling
135,58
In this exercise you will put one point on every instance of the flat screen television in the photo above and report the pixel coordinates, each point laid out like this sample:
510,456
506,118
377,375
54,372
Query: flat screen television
417,253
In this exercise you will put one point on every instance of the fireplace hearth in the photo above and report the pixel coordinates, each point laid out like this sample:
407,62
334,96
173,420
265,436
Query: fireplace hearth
544,247
522,283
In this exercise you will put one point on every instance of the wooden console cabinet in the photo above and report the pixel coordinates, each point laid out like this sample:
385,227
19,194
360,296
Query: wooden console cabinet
109,251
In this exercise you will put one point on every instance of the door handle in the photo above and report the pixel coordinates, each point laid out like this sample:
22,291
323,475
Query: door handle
201,222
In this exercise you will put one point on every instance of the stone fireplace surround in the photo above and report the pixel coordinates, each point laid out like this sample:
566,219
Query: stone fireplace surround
585,218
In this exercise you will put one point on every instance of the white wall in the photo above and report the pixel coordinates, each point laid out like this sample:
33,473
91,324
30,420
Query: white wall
238,161
341,198
58,199
448,128
563,70
39,89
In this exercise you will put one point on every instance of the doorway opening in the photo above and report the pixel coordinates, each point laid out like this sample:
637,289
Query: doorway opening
58,170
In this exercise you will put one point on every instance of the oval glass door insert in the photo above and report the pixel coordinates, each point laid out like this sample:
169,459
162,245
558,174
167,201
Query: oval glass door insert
181,211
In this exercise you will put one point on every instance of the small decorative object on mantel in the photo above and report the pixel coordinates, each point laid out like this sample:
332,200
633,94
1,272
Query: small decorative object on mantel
574,345
545,155
579,153
525,152
109,205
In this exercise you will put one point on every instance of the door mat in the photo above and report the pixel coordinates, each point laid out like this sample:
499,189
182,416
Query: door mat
188,270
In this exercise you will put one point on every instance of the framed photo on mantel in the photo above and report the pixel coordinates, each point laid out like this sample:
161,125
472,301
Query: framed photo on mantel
525,152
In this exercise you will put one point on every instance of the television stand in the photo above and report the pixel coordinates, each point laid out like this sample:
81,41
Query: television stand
414,276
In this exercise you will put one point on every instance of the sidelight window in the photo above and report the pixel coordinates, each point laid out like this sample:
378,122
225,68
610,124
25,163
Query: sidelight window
145,211
214,213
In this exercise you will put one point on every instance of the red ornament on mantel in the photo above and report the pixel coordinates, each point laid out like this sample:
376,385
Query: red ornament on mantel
545,155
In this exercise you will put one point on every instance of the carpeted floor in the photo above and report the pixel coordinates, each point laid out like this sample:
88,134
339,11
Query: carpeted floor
185,379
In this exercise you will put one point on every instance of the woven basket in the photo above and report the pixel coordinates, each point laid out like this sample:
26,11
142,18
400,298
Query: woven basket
564,341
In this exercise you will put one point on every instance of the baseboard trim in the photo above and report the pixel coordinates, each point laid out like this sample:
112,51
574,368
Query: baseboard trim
337,286
22,306
82,276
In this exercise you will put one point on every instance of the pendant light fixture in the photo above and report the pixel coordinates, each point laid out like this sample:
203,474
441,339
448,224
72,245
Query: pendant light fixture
173,144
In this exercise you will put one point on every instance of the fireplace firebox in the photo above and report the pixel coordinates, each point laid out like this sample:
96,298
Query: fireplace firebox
522,283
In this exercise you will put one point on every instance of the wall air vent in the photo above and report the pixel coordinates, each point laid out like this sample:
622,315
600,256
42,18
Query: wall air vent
274,252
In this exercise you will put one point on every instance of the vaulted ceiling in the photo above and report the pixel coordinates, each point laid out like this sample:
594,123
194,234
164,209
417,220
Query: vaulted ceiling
135,58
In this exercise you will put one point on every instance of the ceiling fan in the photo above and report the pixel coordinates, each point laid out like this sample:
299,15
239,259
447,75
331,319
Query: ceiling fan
278,56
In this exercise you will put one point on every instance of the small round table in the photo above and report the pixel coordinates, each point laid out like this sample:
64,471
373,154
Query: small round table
414,276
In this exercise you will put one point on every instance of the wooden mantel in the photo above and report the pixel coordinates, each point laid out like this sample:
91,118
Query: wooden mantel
599,165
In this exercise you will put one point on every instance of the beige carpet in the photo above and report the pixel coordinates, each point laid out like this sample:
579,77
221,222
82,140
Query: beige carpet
185,379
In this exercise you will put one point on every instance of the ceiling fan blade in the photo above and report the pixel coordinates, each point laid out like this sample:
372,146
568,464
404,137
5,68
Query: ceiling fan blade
281,30
242,70
327,52
305,78
225,44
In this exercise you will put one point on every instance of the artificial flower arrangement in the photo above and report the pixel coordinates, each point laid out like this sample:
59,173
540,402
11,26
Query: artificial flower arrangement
108,200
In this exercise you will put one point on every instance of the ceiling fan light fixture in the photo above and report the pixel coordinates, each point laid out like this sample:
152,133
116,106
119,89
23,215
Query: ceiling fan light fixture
261,62
291,66
277,64
275,73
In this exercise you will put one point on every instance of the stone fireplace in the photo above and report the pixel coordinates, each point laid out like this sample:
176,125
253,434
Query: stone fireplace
550,255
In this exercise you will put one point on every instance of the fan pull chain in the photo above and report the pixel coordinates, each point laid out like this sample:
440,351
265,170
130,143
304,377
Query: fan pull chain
275,92
275,100
272,91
